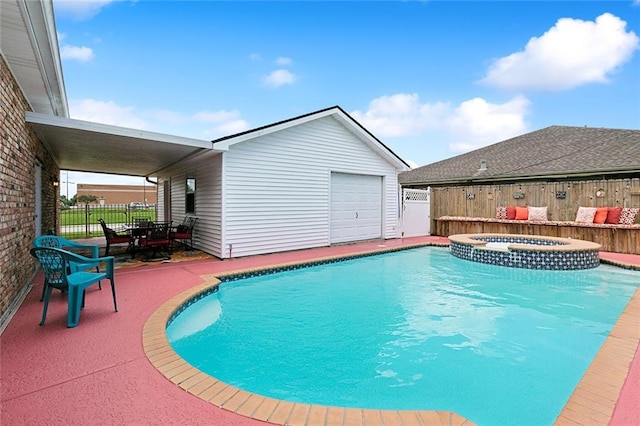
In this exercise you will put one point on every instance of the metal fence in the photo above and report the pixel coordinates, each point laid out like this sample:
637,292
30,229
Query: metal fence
82,221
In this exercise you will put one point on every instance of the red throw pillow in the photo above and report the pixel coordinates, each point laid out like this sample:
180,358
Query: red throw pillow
613,215
511,212
522,213
601,215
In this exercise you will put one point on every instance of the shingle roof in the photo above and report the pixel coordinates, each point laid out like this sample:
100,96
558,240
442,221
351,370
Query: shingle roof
552,152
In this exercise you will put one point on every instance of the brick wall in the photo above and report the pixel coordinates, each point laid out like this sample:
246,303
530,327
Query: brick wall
20,151
120,194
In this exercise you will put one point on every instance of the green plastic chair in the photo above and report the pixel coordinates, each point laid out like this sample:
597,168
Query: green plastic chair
67,271
55,241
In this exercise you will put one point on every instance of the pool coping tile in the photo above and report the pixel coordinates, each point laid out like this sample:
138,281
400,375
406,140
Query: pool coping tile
317,414
264,410
612,362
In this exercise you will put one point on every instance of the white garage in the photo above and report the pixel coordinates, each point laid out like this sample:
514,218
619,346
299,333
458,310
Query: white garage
311,181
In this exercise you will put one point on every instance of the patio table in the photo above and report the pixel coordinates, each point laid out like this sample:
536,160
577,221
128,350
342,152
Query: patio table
140,232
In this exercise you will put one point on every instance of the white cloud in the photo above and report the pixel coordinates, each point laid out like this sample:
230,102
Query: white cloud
106,113
282,61
400,115
232,127
217,116
473,124
570,54
255,57
76,53
80,9
412,164
477,123
201,125
279,78
70,52
166,116
228,122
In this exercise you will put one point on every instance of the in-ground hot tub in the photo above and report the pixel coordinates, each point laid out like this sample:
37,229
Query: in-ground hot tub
526,251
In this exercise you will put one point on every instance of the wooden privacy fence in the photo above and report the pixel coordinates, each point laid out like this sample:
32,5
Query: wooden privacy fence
561,198
612,238
470,208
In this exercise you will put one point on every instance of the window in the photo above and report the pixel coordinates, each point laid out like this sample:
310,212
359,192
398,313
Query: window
190,205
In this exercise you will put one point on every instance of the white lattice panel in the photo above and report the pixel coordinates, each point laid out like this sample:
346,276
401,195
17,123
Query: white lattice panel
416,195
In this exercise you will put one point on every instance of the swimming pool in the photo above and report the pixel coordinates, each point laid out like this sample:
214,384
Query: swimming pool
508,344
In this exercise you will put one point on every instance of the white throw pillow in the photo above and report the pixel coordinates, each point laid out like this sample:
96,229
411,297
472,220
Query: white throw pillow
585,214
537,213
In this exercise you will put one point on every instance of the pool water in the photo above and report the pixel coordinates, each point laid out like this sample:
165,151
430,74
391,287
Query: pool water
416,329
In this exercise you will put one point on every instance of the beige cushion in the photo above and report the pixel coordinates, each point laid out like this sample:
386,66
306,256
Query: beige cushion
585,214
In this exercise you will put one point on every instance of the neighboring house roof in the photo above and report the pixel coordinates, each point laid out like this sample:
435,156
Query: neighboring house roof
336,112
29,44
554,152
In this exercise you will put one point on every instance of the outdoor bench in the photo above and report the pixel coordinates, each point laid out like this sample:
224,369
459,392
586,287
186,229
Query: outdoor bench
617,238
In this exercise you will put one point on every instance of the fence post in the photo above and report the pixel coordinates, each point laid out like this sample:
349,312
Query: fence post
87,222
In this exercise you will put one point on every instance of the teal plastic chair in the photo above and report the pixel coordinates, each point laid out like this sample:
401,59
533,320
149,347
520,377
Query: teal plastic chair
55,241
67,271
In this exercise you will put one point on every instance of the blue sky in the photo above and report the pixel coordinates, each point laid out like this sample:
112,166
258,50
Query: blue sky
431,79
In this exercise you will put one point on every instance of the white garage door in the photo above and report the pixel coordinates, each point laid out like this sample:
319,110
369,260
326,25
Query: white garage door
356,207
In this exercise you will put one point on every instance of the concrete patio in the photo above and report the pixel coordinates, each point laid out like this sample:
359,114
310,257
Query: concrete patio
98,373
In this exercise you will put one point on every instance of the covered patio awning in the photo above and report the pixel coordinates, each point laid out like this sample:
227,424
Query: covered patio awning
100,148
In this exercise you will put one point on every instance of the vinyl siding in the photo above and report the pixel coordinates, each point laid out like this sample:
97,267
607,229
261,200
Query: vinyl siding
207,170
161,201
277,187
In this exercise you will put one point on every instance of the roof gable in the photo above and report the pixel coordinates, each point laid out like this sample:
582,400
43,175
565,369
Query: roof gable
555,151
335,112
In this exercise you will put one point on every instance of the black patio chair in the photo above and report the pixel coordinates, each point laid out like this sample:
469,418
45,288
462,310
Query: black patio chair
113,237
184,232
158,239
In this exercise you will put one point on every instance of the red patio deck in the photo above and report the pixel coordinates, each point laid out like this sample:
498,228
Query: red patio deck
98,372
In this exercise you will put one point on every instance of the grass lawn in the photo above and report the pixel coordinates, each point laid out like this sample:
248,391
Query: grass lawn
82,222
111,214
